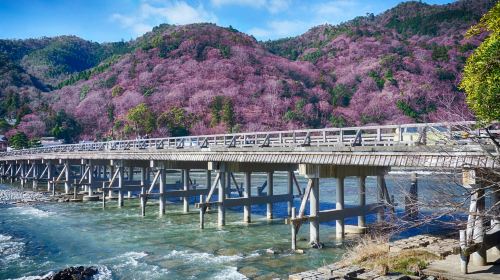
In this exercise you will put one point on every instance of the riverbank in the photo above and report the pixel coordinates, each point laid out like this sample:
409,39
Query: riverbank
16,196
417,257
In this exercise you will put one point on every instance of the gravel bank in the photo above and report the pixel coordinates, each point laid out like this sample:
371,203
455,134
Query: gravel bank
13,196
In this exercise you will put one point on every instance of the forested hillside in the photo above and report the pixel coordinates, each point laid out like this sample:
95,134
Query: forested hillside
400,66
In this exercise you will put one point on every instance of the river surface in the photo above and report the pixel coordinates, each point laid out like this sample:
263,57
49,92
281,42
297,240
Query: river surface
42,238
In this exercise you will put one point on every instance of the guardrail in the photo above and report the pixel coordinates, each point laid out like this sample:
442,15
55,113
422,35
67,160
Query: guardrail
385,135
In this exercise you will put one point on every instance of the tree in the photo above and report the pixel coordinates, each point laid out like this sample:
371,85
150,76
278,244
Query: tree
481,79
63,126
141,119
19,141
176,120
228,113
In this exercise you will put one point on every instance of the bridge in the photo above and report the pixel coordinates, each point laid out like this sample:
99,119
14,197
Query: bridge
109,170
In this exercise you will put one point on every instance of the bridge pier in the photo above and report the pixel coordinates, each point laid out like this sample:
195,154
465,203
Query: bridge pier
130,177
495,222
339,224
314,212
120,185
221,215
67,176
362,200
50,170
289,178
247,193
270,192
411,200
161,191
23,175
380,197
187,184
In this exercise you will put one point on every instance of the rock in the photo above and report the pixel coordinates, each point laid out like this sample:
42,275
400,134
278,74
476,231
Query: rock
74,273
309,275
315,245
249,271
329,269
299,251
271,251
367,275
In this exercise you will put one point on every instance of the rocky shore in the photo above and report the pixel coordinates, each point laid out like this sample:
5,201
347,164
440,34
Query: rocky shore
15,196
74,273
420,250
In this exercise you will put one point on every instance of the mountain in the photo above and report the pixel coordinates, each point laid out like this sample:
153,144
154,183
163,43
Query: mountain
400,66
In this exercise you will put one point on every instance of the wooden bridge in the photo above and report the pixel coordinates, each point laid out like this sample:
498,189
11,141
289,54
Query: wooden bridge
110,168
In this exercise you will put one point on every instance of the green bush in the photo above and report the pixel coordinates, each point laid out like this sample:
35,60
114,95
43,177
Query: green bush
117,91
440,53
378,80
84,91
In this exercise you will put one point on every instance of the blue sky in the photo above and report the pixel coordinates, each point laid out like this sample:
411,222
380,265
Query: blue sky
114,20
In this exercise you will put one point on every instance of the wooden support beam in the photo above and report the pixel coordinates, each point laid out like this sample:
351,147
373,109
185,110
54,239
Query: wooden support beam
334,214
180,193
256,200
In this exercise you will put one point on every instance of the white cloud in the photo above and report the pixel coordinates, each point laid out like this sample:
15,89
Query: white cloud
154,12
279,29
273,6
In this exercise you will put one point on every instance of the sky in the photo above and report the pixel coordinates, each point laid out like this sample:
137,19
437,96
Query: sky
115,20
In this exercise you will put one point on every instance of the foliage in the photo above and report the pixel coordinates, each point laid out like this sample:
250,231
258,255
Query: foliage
141,119
377,79
110,82
440,53
63,126
225,51
19,141
412,111
117,91
337,121
341,95
176,120
147,90
481,80
423,22
228,113
312,56
34,143
84,91
445,75
222,110
87,74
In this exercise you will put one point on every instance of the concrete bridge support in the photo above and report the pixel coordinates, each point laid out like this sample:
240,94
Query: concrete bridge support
247,193
411,200
339,224
270,193
362,200
289,177
162,180
221,215
187,184
380,197
50,174
67,176
314,212
130,177
120,185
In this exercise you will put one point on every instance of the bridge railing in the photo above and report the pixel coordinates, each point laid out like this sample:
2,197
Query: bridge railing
385,135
